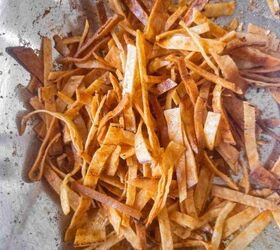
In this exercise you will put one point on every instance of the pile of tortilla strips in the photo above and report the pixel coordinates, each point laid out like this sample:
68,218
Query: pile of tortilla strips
143,123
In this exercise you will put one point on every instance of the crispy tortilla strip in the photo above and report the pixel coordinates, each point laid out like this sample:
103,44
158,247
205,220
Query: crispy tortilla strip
202,189
110,242
97,164
170,157
230,154
180,41
219,9
213,78
101,12
211,128
243,239
219,225
141,149
250,135
215,29
29,60
184,220
192,175
113,113
103,31
200,112
94,126
161,121
175,132
245,199
196,5
136,8
74,133
131,78
132,173
140,44
262,177
255,57
107,200
187,114
208,163
118,136
174,17
229,69
163,87
55,182
189,83
197,41
217,103
157,19
165,230
239,220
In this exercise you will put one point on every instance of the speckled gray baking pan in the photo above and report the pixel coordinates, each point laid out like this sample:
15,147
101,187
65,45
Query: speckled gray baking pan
30,217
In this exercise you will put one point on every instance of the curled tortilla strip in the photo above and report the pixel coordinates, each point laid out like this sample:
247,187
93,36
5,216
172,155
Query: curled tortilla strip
74,133
107,200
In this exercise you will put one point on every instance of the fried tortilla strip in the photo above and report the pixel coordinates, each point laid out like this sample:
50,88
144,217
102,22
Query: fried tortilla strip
107,200
175,132
163,87
213,78
157,19
230,154
119,136
239,220
208,163
219,9
187,114
197,5
243,239
29,60
135,7
170,157
74,133
101,11
165,230
229,69
211,128
131,77
217,103
55,182
197,41
202,189
245,199
141,149
161,121
140,44
180,41
215,30
97,164
103,31
219,225
250,135
174,17
189,83
184,220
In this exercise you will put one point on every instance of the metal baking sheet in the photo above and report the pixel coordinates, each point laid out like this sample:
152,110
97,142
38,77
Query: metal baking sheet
30,217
